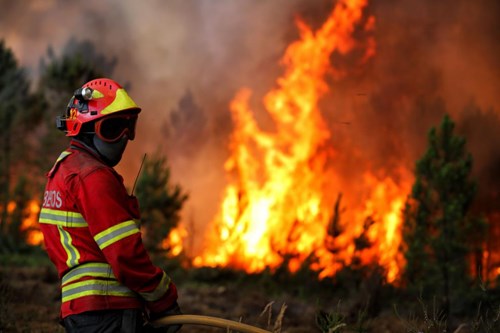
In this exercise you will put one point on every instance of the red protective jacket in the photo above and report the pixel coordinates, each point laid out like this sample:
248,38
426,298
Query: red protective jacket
91,232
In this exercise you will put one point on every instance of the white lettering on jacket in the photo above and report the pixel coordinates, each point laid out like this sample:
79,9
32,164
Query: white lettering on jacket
52,199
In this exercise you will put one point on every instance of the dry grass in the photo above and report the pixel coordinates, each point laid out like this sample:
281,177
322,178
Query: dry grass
277,326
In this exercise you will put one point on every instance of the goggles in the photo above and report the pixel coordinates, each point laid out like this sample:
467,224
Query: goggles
113,128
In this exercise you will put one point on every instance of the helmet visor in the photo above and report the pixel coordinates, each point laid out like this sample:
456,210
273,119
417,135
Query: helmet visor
113,128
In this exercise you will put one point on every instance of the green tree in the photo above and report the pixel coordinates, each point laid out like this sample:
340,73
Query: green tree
160,202
440,235
17,108
60,76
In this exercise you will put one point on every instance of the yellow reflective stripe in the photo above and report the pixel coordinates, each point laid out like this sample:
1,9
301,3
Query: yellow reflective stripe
62,218
92,269
59,159
160,290
116,233
95,287
63,155
71,251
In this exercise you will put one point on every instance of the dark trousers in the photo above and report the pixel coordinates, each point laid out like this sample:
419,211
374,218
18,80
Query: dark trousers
110,321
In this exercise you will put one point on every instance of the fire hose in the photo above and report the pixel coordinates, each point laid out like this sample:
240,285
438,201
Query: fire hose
207,321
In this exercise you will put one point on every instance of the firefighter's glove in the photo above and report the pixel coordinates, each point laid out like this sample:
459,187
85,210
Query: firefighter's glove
173,310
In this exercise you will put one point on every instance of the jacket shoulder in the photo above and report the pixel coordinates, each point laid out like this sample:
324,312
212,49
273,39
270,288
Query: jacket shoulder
74,161
84,163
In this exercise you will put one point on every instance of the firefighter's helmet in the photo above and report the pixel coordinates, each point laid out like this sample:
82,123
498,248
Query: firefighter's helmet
96,101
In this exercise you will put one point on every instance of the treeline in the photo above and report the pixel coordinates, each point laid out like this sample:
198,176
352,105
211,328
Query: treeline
30,142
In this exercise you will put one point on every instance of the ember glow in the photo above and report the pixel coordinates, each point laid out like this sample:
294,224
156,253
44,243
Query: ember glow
279,202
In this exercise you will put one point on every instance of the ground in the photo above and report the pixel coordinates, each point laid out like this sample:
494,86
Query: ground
30,300
30,303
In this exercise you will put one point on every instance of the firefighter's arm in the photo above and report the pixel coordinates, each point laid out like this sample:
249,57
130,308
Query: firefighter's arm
110,216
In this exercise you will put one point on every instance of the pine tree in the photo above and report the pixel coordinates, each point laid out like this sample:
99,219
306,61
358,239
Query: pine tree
440,235
160,202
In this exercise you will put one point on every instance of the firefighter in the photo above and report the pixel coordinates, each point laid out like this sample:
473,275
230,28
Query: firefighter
90,222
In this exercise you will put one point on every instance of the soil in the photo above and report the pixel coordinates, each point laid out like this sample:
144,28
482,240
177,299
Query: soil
30,301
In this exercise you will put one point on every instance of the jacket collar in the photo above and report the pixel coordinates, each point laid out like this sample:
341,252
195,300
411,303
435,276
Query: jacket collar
79,145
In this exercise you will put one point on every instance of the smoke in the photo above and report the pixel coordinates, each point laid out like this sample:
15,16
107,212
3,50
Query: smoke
185,60
432,58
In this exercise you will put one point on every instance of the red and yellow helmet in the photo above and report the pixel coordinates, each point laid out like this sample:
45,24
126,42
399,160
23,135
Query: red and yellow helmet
95,100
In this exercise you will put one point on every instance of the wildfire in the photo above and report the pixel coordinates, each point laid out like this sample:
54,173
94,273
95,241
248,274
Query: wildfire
282,203
279,203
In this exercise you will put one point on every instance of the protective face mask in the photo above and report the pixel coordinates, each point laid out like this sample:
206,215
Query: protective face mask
111,152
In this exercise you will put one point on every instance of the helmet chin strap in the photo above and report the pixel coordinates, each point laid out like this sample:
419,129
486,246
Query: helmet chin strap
110,152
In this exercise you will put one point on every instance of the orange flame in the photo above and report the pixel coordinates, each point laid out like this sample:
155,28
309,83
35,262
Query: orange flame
385,236
30,224
174,240
280,202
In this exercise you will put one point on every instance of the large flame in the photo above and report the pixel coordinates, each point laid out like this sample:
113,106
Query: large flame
280,202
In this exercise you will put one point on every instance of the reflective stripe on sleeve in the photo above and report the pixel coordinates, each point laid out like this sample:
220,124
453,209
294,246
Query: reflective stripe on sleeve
91,269
95,287
160,290
116,233
62,218
63,155
71,251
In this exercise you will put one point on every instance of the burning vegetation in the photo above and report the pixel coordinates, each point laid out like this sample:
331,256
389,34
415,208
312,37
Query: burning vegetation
279,202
